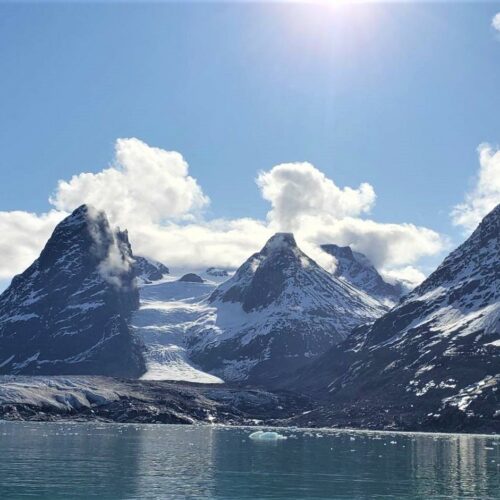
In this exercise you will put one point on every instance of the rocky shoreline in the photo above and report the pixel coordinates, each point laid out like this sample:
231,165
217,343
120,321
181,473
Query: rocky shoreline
103,399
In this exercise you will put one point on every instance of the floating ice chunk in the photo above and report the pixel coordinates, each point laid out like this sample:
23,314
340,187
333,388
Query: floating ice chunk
266,436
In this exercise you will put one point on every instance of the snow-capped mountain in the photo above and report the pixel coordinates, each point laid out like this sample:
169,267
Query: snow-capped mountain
437,354
357,269
148,270
68,312
279,310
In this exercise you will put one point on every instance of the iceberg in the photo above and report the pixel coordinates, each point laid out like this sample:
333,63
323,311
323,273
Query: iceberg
266,436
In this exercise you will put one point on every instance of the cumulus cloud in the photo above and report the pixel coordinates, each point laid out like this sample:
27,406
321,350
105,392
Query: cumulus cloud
144,183
305,201
485,194
495,22
149,191
299,189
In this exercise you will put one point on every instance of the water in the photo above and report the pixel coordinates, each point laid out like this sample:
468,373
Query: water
111,461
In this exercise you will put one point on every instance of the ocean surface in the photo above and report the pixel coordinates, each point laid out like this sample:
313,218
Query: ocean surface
113,461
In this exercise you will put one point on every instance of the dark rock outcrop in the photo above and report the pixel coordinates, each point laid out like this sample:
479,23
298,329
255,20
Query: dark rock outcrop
192,278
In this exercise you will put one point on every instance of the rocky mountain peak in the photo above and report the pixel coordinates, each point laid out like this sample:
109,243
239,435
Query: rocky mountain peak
263,278
356,268
148,270
279,242
68,312
338,251
469,276
279,310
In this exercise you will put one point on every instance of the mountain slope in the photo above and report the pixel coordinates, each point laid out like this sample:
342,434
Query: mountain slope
355,268
68,312
279,310
435,356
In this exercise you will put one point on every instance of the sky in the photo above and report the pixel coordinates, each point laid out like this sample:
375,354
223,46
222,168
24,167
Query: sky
205,127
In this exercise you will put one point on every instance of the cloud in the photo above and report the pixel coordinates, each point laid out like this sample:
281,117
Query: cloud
144,183
198,245
23,236
305,201
386,245
149,191
409,275
495,22
299,189
485,195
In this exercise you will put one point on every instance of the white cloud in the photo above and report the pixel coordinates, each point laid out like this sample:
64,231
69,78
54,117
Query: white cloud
408,275
224,243
386,245
305,201
299,189
485,195
495,22
144,183
23,236
149,191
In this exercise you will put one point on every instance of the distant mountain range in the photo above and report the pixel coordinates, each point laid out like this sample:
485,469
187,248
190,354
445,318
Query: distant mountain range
89,306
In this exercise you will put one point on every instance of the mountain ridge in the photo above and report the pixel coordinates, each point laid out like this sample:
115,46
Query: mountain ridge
433,357
358,270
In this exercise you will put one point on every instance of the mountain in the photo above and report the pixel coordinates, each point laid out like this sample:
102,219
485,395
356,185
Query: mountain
148,270
68,312
279,310
357,269
217,272
433,359
191,278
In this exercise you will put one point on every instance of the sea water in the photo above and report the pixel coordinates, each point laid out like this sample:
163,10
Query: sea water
114,461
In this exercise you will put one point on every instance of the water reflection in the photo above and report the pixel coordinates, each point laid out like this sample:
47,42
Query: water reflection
457,466
147,461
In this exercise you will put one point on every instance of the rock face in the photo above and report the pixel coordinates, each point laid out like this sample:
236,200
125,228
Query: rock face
434,358
355,268
68,312
148,270
279,310
191,278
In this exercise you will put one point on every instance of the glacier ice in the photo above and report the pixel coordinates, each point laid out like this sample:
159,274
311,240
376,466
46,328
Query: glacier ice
266,436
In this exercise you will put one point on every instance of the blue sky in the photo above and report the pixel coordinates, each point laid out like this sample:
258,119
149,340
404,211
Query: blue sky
399,96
